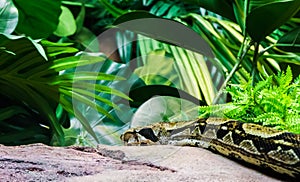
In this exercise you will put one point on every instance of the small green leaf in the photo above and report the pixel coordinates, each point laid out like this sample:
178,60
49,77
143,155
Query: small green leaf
290,41
38,19
67,23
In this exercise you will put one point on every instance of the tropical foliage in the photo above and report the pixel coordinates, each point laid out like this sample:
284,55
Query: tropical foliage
272,102
84,71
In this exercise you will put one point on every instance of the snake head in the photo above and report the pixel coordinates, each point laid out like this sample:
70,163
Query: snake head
156,133
140,136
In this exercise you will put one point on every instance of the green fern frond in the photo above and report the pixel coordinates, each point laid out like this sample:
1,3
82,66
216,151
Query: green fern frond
219,110
292,123
284,79
239,93
273,102
297,80
270,119
264,84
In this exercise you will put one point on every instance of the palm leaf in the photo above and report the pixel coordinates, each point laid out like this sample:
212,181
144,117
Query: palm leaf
28,78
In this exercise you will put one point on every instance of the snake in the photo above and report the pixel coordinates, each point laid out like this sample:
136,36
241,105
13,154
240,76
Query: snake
254,144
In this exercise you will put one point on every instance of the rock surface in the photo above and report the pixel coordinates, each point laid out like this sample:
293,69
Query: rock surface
120,163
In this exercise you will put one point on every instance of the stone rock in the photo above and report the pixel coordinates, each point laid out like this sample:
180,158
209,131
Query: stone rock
39,162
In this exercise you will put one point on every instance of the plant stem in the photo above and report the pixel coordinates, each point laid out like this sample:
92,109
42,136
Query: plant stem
254,63
234,69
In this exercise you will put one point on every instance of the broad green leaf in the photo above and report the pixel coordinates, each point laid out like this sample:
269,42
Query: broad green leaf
27,77
164,30
290,41
107,131
169,9
68,91
53,44
222,50
54,49
176,67
226,41
142,94
38,20
74,61
17,84
75,112
221,7
265,17
8,16
67,23
289,58
160,8
258,3
86,75
174,11
190,67
92,87
93,95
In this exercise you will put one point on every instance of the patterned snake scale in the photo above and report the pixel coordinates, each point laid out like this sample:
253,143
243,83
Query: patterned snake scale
250,143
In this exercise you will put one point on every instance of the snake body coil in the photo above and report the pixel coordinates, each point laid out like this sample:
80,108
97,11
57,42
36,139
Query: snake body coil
251,143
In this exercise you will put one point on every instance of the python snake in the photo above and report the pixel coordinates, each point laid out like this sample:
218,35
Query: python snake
251,143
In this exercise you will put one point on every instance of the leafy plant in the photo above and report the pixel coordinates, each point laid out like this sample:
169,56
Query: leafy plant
37,20
272,102
35,84
232,45
225,42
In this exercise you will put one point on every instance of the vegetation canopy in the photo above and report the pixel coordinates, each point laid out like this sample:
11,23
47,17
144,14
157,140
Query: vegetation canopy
83,71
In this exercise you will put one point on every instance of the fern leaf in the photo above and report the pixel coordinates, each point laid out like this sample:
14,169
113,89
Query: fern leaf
284,79
270,119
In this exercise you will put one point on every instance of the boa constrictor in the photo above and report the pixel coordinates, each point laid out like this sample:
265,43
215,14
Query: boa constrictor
251,143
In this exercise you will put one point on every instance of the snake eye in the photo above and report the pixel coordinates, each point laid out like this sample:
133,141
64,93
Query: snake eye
224,127
129,136
149,134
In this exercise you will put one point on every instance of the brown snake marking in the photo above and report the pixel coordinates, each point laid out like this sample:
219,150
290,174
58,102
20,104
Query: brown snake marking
251,143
